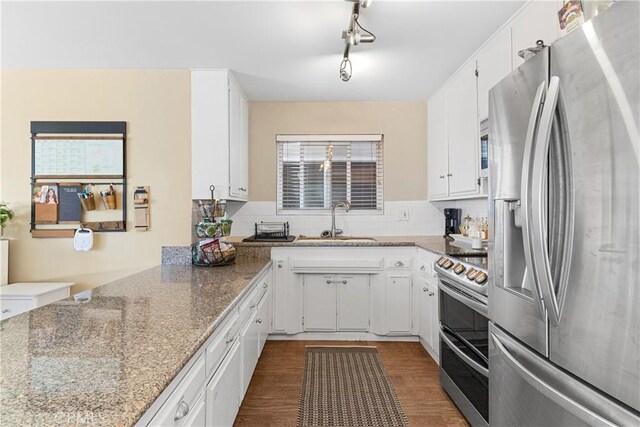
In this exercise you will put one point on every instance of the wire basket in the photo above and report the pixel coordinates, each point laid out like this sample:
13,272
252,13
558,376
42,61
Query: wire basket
212,253
271,230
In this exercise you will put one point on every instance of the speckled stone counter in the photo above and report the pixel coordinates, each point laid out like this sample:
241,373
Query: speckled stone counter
436,244
105,361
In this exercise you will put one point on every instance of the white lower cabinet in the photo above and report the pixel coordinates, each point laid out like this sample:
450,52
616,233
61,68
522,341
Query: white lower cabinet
250,348
319,303
399,304
352,303
428,314
335,302
224,390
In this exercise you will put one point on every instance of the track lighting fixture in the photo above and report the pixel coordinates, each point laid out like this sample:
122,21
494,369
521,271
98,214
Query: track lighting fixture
353,36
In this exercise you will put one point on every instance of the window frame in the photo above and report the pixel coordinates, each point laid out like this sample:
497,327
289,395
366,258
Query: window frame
337,138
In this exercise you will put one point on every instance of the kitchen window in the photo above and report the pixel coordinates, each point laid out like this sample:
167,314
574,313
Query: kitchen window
315,171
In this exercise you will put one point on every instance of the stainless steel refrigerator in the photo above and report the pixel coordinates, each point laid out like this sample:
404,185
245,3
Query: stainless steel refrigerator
564,296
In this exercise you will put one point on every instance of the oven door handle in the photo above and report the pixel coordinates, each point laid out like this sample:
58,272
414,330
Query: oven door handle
475,365
477,306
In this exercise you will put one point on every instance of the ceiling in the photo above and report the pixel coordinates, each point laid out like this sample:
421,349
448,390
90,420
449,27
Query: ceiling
279,50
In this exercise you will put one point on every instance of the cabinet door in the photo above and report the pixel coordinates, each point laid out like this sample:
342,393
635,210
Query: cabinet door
432,294
280,276
399,304
223,391
437,162
462,129
353,302
494,64
424,312
264,320
319,302
238,142
249,337
537,21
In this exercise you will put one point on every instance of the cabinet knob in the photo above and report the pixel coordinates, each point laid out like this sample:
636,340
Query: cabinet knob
182,411
228,338
279,265
252,305
399,264
431,294
258,320
344,282
265,286
441,176
424,289
328,282
423,268
449,174
242,189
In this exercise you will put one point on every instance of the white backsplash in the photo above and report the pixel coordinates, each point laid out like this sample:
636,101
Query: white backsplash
425,218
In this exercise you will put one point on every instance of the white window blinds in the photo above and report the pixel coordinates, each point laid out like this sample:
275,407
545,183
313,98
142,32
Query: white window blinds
315,171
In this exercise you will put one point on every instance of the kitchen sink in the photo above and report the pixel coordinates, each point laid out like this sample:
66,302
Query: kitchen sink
305,239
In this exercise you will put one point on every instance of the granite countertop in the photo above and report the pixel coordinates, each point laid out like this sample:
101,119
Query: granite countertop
104,362
437,244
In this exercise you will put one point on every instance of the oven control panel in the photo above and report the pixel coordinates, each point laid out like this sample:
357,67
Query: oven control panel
464,273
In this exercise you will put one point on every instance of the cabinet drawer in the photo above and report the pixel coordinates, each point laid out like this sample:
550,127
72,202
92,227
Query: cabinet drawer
221,344
399,263
12,307
179,405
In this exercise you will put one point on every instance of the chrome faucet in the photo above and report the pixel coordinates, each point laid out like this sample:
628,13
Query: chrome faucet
347,207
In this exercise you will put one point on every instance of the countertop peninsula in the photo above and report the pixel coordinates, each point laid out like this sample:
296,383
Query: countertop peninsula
104,362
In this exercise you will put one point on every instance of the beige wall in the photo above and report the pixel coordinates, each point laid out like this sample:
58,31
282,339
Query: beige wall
156,106
404,125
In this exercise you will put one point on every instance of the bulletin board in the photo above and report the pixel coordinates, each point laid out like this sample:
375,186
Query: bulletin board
67,157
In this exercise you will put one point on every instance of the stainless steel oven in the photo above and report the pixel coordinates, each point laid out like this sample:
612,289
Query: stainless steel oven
464,339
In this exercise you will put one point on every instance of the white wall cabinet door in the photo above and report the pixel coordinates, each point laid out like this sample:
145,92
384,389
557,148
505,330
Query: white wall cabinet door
219,136
319,302
399,304
353,302
462,129
494,64
437,143
537,21
238,142
223,391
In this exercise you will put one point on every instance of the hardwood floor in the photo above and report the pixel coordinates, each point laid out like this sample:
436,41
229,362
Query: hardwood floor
272,397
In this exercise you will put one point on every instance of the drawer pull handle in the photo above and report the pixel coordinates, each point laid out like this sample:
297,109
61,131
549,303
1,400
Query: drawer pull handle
423,268
258,320
266,285
253,304
399,264
182,411
228,338
6,310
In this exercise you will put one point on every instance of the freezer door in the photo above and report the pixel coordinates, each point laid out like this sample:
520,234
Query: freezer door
527,390
514,111
597,335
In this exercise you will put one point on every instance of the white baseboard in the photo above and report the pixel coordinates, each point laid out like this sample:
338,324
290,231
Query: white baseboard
340,336
431,351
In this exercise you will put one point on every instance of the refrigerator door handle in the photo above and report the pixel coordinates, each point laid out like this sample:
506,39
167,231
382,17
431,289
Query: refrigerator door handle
475,365
537,208
525,196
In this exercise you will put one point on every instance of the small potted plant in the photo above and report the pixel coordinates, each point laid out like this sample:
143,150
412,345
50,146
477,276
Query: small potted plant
6,215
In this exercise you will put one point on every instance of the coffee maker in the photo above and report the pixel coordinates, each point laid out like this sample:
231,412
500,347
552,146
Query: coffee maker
452,218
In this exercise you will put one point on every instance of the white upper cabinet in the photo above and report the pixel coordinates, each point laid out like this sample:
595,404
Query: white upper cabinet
494,64
537,21
437,162
219,136
462,126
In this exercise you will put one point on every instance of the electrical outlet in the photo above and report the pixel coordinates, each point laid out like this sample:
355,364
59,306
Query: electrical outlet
403,215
